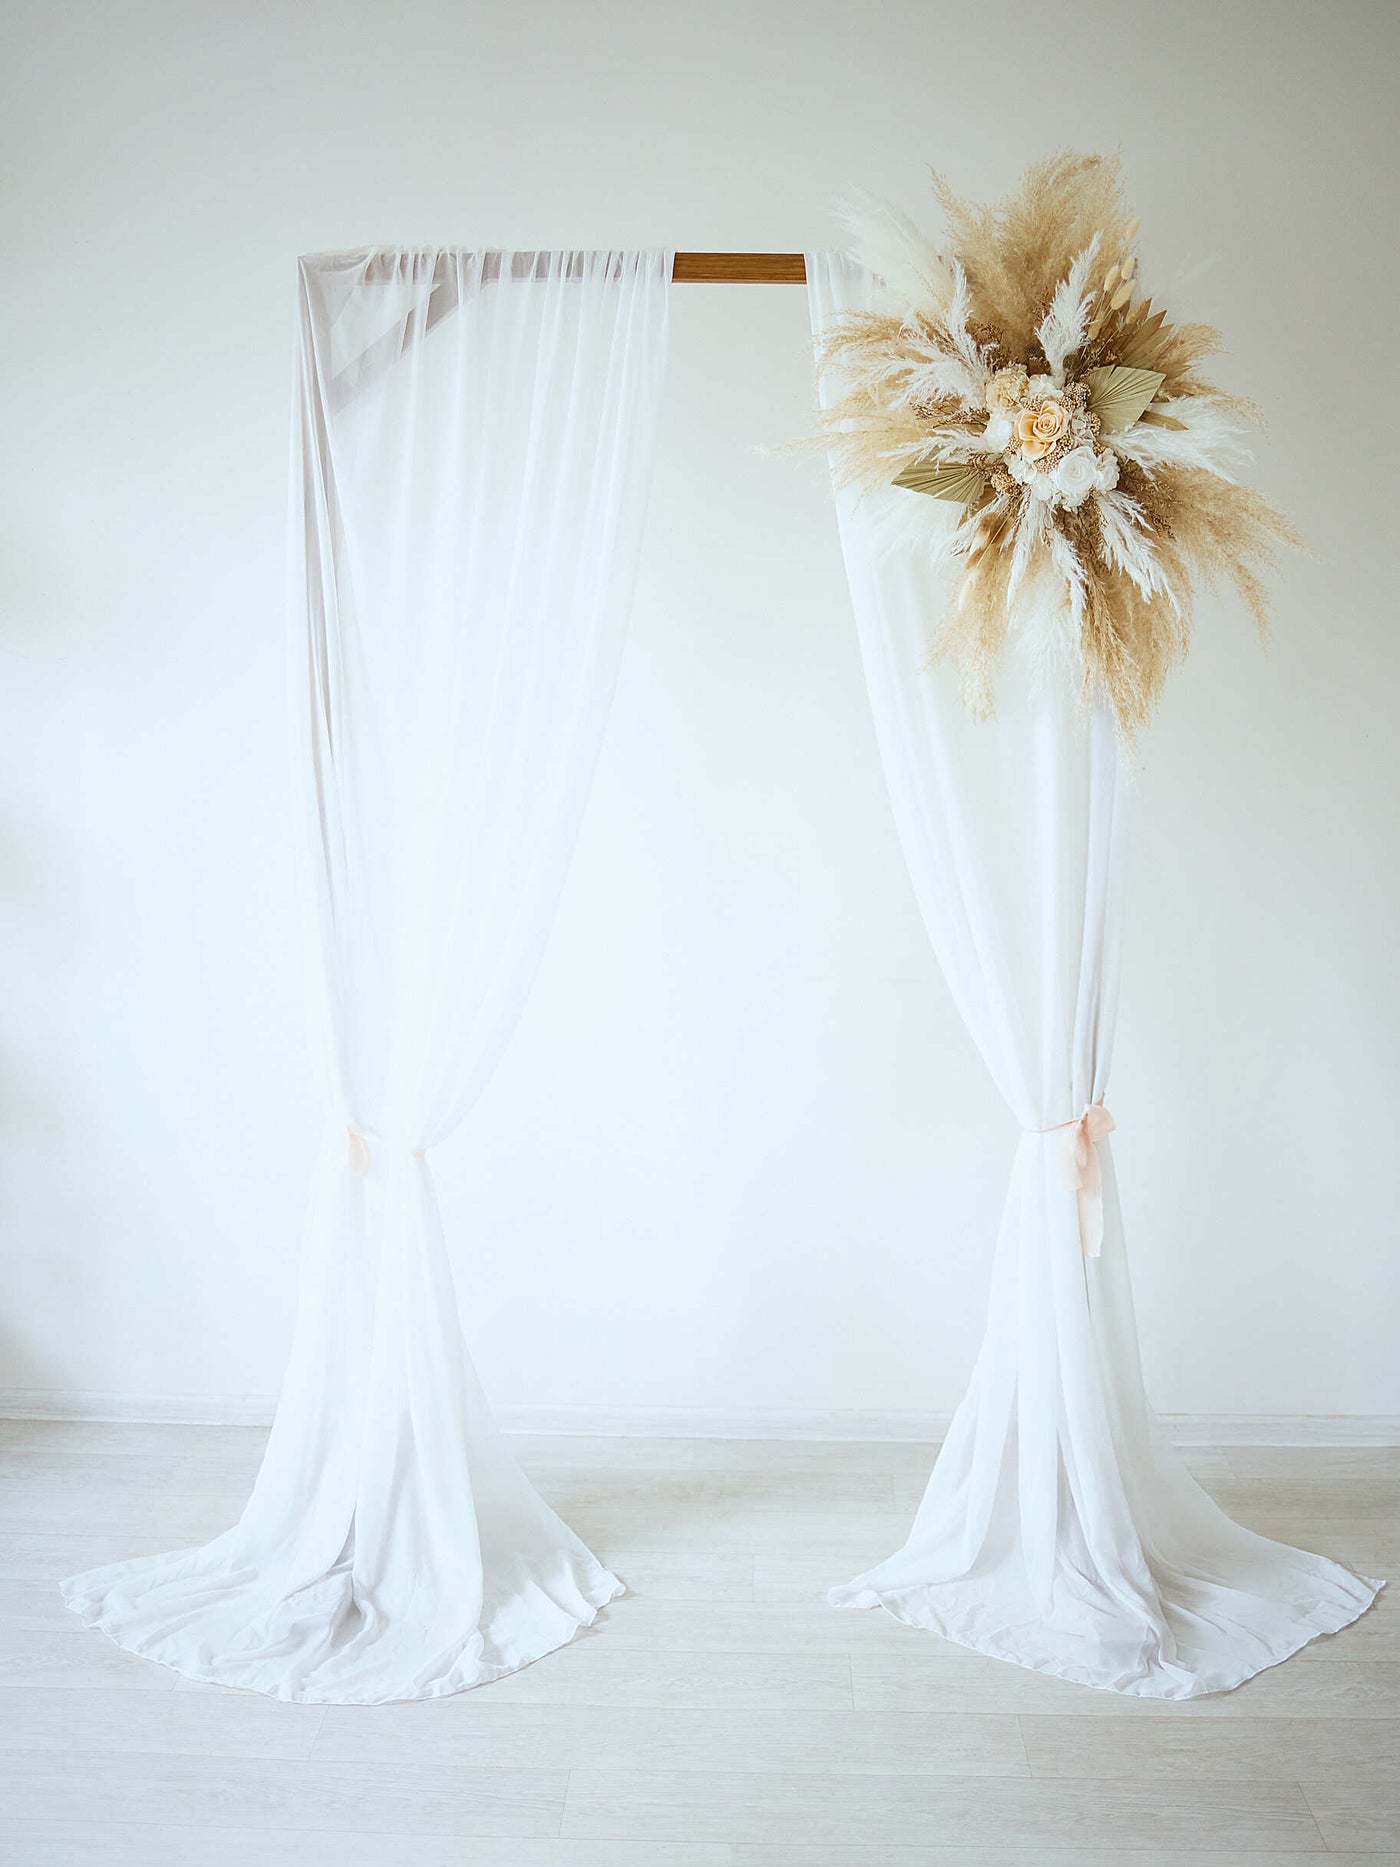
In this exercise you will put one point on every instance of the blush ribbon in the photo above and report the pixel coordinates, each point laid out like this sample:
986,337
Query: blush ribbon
360,1154
1081,1171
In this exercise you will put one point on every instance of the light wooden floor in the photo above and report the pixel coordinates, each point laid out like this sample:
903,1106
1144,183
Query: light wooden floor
720,1716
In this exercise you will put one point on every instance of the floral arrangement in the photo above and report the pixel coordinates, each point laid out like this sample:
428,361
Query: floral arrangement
1024,377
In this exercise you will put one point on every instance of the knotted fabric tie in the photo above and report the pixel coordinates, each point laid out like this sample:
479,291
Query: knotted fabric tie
1081,1171
360,1156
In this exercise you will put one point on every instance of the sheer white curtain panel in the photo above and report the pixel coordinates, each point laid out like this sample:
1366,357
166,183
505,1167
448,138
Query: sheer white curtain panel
1059,1529
472,445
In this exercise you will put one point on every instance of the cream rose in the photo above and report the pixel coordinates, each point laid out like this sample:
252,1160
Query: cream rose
1007,389
1038,428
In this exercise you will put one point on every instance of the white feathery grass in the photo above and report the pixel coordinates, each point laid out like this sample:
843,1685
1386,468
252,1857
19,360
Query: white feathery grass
901,520
1061,330
958,444
924,371
940,376
1030,531
1127,544
955,321
1066,561
891,246
1045,632
1214,438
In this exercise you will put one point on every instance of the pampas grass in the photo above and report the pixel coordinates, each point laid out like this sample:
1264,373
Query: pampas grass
1048,280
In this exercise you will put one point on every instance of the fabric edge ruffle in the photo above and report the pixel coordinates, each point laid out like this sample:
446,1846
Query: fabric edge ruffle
853,1596
596,1591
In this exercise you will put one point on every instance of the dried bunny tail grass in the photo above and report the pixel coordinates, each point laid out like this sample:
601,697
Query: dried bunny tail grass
1017,251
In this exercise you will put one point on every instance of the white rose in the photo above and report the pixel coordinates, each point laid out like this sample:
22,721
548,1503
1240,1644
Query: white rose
998,433
1021,470
1076,476
1080,431
1108,470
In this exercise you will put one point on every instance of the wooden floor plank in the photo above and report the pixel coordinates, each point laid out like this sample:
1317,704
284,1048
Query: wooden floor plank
400,1799
898,1458
720,1715
183,1518
912,1811
662,1624
597,1671
1342,1749
32,1604
909,1681
223,1724
837,1854
473,1729
705,1498
42,1555
76,1658
117,1437
847,1541
679,1574
1356,1816
148,1844
184,1467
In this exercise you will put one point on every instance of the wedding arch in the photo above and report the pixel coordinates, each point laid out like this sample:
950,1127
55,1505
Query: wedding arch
473,432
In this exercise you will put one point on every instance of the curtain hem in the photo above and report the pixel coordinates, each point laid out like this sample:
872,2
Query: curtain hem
900,1605
595,1591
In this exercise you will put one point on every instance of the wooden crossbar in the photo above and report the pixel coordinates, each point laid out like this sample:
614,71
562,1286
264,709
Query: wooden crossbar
739,269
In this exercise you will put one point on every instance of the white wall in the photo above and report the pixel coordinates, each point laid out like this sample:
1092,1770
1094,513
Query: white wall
741,1155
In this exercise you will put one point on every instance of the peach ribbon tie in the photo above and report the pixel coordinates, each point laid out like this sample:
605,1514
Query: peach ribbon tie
360,1156
1081,1172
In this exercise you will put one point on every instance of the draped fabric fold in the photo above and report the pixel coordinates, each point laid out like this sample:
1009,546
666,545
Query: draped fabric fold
472,447
1059,1530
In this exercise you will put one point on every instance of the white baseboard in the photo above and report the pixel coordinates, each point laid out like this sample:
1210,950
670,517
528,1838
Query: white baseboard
45,1403
1186,1429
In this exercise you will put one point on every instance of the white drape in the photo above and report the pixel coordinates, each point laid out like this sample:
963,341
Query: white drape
1059,1530
472,447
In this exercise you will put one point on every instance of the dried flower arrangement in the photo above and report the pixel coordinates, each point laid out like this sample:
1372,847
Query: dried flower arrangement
1023,377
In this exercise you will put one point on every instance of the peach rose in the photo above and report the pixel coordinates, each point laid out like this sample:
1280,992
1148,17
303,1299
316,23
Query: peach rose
1038,429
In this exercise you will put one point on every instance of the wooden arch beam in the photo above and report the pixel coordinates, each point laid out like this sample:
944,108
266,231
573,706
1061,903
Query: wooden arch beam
739,269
